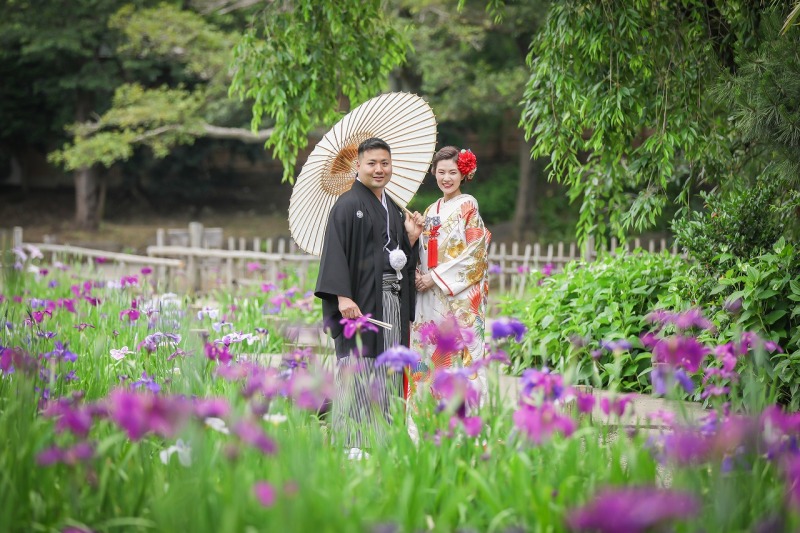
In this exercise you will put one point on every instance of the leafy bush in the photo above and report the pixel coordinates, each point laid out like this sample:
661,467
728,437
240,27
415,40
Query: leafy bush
570,313
573,315
742,223
763,295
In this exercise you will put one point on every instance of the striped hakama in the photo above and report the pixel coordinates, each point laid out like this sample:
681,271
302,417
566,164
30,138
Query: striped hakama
365,393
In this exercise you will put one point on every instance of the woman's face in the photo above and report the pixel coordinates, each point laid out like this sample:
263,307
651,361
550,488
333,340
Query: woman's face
448,178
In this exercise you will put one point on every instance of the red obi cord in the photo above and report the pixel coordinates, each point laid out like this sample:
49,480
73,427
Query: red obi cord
433,247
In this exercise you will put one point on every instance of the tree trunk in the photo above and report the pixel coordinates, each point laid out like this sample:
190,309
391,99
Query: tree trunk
525,206
87,199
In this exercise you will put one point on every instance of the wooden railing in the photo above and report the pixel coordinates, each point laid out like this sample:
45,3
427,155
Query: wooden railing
196,256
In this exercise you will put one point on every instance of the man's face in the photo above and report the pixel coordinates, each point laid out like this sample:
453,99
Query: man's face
375,169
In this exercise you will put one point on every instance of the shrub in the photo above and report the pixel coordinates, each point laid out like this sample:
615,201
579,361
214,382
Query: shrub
570,313
743,224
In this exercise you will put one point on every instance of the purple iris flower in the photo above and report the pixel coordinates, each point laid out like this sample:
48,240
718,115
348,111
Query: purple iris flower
472,424
680,351
138,413
353,326
539,423
398,358
218,352
684,381
616,405
494,268
585,402
61,351
619,345
148,382
253,435
508,327
632,509
211,407
83,451
659,380
265,493
693,318
454,385
550,385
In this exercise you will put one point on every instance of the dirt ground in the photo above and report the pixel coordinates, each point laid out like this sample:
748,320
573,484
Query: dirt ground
125,227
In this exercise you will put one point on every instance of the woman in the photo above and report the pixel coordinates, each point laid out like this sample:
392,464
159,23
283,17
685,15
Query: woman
451,280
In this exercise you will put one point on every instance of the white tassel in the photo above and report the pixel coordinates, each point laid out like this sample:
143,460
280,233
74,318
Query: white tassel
397,260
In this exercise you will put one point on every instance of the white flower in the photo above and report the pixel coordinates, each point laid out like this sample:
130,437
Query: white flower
209,312
34,252
183,450
113,284
20,253
217,424
276,418
120,354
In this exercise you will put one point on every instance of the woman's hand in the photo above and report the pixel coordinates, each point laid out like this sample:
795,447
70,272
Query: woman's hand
423,282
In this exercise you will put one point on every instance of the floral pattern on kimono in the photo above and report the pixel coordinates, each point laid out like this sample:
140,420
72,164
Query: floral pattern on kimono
460,290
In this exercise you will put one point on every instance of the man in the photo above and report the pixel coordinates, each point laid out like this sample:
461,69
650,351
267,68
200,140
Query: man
356,278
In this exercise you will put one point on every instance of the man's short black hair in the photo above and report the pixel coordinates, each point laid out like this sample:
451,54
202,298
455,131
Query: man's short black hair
373,143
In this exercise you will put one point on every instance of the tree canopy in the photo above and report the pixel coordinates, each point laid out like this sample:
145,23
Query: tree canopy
629,97
302,63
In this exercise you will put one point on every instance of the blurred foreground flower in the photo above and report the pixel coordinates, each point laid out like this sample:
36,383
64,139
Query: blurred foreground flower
397,358
265,493
508,327
353,326
182,449
538,423
632,509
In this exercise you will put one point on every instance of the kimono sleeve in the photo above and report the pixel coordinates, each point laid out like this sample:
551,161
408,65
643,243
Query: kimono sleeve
333,279
470,266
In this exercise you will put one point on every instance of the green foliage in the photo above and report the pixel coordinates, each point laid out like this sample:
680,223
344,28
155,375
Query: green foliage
617,99
299,59
152,113
497,481
158,118
769,292
570,313
470,65
743,224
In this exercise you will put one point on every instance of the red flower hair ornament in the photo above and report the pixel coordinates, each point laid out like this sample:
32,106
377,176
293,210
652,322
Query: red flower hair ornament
467,164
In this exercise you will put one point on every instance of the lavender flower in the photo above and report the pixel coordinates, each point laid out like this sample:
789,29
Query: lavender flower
148,382
551,386
508,327
398,358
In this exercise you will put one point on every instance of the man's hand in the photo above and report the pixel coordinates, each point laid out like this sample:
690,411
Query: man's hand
414,224
348,308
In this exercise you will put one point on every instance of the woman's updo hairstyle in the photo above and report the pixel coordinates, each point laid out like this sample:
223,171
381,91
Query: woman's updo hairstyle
448,153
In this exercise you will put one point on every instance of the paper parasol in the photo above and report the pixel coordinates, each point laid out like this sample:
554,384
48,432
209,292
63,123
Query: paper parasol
407,124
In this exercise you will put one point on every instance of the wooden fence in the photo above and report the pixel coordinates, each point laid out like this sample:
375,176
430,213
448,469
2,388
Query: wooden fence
198,257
